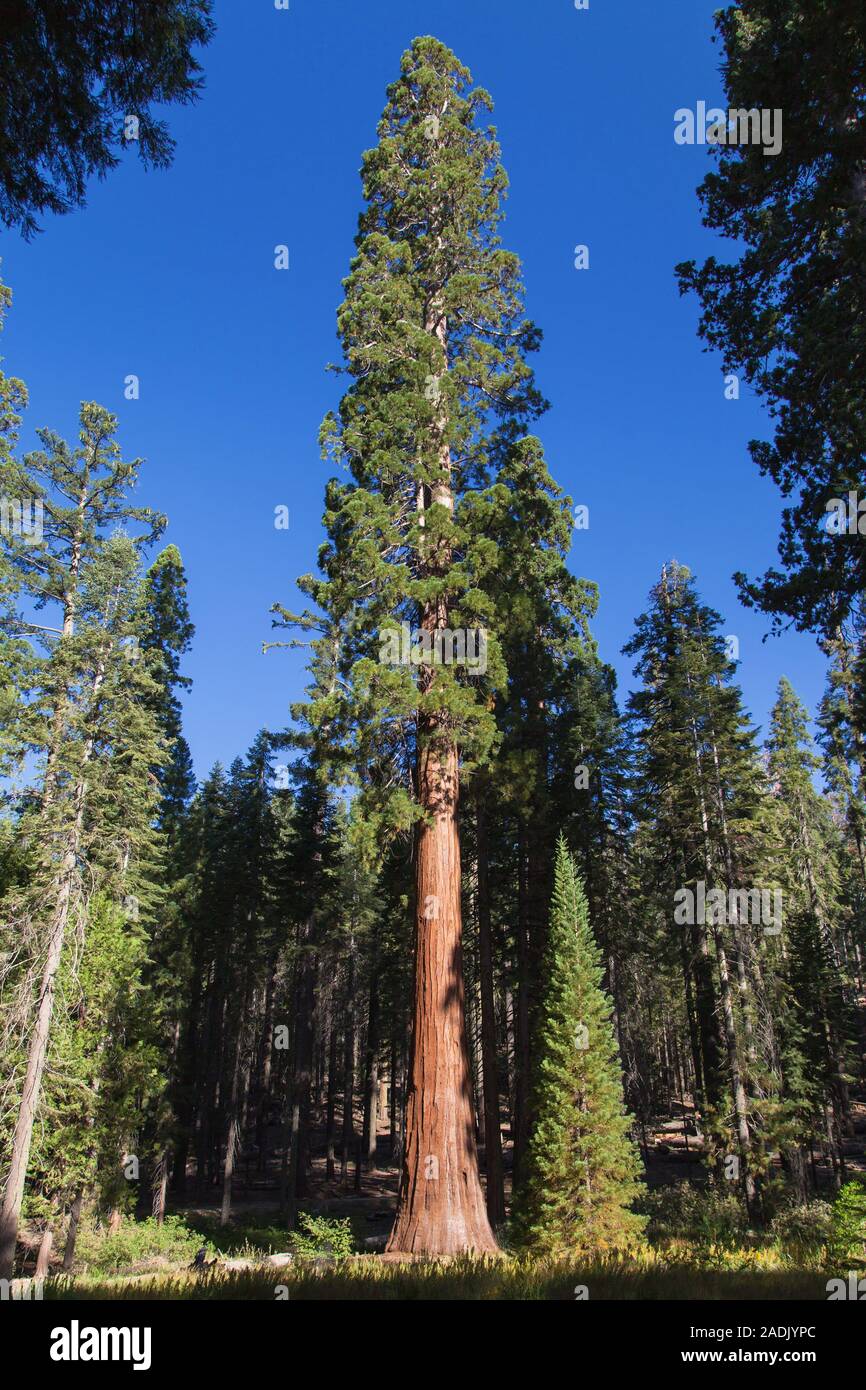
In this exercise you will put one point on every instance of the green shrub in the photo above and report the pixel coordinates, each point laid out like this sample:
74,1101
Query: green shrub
703,1215
802,1233
245,1235
320,1236
847,1245
136,1243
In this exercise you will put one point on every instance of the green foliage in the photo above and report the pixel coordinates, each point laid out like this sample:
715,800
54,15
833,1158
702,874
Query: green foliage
813,1019
847,1244
136,1243
713,1222
788,313
697,796
73,76
319,1235
430,437
583,1169
802,1233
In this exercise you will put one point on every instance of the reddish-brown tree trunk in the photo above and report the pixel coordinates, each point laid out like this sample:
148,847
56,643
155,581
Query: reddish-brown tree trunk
441,1208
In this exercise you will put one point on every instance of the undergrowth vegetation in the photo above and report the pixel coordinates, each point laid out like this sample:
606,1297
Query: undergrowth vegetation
698,1245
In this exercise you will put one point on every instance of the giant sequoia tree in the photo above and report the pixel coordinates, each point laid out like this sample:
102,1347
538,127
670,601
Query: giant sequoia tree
434,339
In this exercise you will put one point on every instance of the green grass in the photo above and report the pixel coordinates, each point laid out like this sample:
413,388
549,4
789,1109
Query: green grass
365,1277
700,1248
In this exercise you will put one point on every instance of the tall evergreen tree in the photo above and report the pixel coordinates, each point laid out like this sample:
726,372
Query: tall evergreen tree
169,632
817,1030
87,574
789,312
583,1171
541,613
697,791
435,341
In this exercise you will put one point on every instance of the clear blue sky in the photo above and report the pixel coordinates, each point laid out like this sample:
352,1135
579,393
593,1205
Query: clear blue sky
170,275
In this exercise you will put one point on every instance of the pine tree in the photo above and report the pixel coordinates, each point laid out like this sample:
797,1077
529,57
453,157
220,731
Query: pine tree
698,799
169,632
84,716
841,736
817,1025
583,1171
166,636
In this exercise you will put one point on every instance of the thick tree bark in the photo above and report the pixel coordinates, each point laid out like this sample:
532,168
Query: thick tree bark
441,1208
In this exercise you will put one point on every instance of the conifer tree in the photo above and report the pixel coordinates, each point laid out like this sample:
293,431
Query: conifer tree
841,736
788,312
75,77
435,340
583,1171
698,792
817,1026
13,649
81,719
169,632
542,614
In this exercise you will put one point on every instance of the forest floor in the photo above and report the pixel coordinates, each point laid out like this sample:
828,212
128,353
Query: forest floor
250,1257
672,1148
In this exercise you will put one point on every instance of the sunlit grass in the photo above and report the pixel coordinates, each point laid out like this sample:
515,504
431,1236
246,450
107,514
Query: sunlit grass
747,1274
